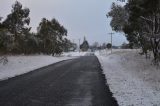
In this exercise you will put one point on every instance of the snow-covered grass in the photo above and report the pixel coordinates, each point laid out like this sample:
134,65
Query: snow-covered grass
21,64
74,54
132,79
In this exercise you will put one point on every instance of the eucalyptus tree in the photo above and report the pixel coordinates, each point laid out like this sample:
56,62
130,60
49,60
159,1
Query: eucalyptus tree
119,17
17,23
140,21
145,17
51,35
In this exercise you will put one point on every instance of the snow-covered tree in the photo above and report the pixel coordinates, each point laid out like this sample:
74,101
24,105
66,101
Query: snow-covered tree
85,45
16,23
51,35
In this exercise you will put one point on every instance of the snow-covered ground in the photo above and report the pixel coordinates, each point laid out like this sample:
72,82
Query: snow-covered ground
132,79
74,54
18,65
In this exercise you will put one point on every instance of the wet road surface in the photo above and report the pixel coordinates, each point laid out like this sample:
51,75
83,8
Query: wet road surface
77,82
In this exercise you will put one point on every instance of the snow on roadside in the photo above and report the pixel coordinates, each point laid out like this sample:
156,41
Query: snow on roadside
72,54
132,79
18,65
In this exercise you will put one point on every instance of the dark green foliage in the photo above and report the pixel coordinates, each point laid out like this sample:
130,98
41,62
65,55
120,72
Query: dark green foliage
68,45
125,46
142,26
119,17
51,35
31,44
144,18
16,23
6,41
16,38
109,45
85,45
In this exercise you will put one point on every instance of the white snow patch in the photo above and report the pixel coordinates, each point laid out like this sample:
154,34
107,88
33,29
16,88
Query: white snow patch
131,78
74,54
18,65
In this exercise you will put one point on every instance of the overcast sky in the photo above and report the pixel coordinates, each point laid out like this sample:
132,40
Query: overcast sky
80,17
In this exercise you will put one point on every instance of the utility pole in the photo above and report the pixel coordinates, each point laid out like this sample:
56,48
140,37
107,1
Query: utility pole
111,40
79,44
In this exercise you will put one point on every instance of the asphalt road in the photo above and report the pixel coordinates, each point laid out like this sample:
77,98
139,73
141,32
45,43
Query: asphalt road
77,82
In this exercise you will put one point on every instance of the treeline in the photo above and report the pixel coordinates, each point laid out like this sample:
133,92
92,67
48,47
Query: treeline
16,36
140,21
